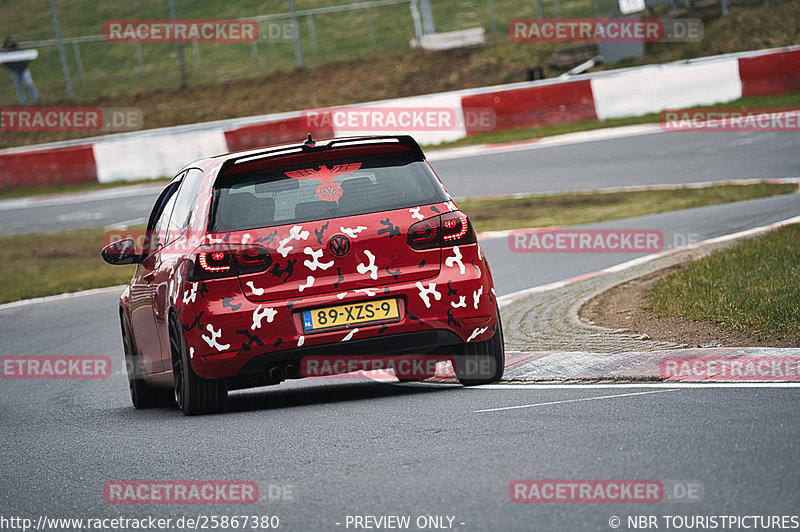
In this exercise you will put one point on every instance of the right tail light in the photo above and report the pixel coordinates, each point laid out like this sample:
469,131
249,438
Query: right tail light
445,230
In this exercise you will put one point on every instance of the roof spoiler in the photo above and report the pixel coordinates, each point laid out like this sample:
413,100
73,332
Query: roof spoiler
310,145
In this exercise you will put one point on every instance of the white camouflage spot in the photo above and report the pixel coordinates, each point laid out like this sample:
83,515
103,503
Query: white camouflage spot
295,233
189,295
174,290
309,283
212,341
258,315
363,268
476,297
350,335
425,293
367,291
476,333
352,233
455,259
314,264
462,302
252,287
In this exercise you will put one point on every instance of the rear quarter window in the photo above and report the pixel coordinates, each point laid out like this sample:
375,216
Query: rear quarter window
185,201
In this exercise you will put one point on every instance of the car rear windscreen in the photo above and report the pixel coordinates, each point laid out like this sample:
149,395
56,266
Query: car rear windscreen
332,188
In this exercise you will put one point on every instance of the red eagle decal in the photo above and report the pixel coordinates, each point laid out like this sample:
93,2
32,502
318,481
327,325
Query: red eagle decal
327,190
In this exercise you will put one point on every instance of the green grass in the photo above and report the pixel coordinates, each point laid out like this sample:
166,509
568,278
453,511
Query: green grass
46,264
752,288
575,209
781,101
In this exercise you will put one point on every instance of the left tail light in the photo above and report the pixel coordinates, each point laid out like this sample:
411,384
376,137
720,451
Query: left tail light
212,262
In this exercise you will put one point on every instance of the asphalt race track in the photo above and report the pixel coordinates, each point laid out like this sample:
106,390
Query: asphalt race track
323,452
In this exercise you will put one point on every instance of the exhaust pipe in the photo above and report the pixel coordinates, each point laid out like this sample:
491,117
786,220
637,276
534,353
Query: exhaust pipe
291,371
275,373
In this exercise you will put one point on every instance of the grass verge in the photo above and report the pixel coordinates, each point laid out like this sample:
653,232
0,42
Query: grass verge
46,264
750,288
575,209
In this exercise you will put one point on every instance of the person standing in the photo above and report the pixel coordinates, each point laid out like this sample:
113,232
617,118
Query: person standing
20,74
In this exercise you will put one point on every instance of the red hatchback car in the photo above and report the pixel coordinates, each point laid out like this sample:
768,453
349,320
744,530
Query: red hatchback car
259,265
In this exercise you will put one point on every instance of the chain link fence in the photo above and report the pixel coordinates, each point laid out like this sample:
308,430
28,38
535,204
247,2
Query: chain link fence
298,33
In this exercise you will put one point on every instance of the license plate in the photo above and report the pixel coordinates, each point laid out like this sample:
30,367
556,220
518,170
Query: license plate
350,314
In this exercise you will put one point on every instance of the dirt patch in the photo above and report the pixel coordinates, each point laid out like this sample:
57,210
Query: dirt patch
625,307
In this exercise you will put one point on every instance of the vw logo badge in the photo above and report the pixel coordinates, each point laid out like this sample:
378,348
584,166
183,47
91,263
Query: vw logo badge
339,245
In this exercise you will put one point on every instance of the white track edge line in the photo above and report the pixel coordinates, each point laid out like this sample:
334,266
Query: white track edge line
61,297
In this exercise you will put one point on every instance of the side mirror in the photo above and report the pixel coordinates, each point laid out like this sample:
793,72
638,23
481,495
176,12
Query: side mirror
121,252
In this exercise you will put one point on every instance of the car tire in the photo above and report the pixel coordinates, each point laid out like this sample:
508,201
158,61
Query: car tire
482,362
142,394
194,395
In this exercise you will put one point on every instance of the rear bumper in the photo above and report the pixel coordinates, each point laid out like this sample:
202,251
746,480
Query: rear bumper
438,343
228,336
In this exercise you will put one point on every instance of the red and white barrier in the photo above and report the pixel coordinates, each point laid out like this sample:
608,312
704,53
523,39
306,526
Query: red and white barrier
608,94
653,88
274,132
770,73
127,158
540,104
40,167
